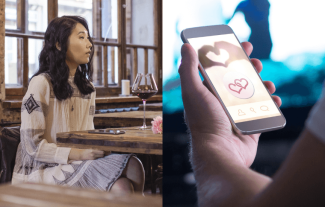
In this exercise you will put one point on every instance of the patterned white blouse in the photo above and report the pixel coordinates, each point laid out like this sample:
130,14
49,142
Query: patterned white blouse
38,157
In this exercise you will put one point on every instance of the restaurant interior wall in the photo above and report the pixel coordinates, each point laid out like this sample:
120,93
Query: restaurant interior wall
5,115
142,19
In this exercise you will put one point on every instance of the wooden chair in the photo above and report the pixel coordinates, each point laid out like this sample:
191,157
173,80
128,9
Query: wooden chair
9,141
159,180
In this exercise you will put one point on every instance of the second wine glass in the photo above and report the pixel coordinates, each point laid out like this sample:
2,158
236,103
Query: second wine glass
144,86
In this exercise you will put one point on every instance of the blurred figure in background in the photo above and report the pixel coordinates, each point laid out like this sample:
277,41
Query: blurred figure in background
257,17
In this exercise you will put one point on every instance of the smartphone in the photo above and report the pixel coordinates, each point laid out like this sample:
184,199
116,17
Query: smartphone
106,131
232,78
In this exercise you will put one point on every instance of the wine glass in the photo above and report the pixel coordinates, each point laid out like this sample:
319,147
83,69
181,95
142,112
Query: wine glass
144,87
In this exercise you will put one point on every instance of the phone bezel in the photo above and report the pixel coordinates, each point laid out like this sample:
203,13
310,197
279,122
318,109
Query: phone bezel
247,127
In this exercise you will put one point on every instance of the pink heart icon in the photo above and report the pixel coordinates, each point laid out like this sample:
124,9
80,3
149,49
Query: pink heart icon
239,85
235,88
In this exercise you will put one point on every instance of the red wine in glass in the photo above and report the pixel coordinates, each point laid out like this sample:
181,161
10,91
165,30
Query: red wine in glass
143,93
144,87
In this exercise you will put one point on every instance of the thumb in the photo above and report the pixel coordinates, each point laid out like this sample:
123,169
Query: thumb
188,71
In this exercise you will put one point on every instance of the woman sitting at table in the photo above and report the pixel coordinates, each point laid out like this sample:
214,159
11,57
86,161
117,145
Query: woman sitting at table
61,98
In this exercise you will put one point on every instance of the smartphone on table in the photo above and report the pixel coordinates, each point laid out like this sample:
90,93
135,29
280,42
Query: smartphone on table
232,78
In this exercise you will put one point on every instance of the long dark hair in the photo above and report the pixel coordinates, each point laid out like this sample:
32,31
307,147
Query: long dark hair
52,60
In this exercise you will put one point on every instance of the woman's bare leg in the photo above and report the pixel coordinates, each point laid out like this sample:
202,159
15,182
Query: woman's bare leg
134,171
122,186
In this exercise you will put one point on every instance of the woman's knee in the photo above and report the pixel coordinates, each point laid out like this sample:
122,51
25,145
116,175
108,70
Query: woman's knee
123,185
136,164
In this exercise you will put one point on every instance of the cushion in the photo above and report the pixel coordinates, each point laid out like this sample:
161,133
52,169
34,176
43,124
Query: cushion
9,141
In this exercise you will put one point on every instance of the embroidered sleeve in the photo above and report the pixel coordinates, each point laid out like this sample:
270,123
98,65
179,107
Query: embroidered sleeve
34,109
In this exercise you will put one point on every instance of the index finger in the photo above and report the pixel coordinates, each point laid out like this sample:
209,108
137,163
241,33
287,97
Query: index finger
248,47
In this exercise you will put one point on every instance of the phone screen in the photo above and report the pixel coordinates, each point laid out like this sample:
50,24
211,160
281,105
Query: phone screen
234,78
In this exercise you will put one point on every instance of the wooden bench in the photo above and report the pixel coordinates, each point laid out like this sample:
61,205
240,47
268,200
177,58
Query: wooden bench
32,194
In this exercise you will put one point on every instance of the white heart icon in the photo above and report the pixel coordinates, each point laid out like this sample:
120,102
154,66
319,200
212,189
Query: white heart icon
222,58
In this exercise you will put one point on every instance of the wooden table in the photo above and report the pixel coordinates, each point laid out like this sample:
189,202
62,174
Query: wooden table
124,119
32,194
133,141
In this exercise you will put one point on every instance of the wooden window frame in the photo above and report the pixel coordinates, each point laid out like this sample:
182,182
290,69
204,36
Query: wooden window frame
121,44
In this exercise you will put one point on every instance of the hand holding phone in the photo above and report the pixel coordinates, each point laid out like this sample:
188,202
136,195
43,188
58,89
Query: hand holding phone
231,77
206,117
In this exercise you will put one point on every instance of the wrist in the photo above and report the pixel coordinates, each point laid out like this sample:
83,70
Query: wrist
79,153
210,150
75,154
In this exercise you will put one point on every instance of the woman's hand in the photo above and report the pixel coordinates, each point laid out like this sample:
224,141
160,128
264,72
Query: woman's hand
208,123
85,154
91,154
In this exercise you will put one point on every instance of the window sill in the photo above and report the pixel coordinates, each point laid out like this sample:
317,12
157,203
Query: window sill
16,104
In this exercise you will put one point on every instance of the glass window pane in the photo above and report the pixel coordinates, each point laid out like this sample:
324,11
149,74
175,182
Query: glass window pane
109,19
81,8
140,22
13,71
140,60
98,78
141,63
37,15
129,64
112,64
34,50
11,14
152,64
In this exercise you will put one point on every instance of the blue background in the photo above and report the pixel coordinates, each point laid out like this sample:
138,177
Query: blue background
289,38
297,57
